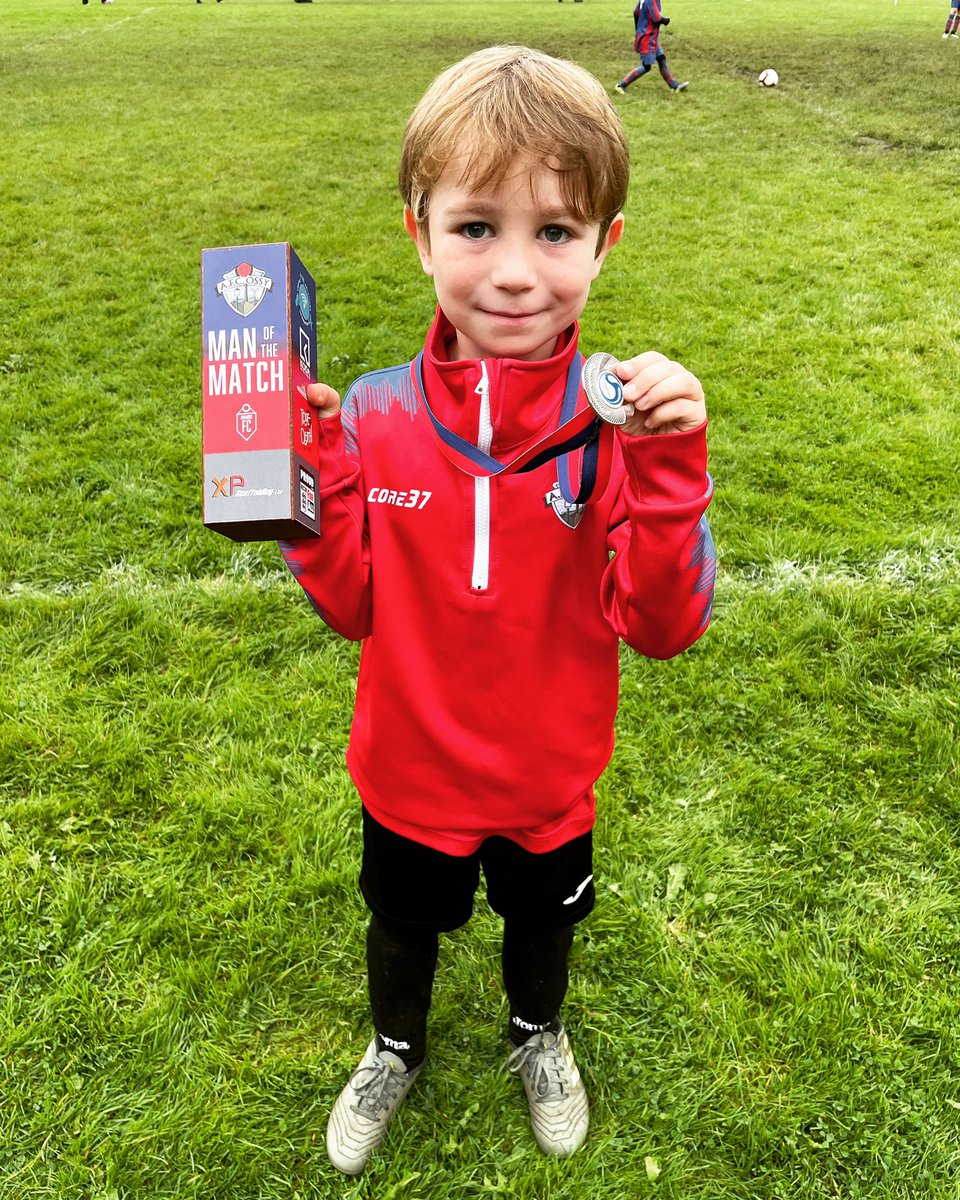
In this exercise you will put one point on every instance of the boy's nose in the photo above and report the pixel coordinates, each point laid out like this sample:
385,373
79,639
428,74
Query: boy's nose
514,270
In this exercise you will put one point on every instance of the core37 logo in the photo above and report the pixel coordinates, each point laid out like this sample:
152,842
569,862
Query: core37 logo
407,499
228,485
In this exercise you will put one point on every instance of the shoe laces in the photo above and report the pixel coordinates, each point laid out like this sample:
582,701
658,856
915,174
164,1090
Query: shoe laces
376,1087
541,1059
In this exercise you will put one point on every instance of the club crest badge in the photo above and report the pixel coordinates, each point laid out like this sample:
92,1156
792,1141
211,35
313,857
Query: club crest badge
246,422
244,287
568,513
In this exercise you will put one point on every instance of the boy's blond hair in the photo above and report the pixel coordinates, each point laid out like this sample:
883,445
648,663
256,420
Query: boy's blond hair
507,102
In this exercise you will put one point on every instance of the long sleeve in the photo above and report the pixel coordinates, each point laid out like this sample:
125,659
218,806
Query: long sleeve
334,569
657,591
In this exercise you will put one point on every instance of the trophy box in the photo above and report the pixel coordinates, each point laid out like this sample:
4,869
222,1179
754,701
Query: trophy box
259,432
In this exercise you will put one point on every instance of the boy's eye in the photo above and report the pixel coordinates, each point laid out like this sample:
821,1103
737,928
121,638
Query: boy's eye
555,234
475,230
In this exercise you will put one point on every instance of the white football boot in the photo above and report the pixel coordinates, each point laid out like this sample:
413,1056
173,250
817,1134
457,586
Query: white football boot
365,1107
559,1112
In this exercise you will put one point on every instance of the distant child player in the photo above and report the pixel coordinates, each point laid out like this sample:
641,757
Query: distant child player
953,20
647,19
491,600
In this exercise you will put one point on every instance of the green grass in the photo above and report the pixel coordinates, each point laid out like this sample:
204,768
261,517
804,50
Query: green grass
765,1002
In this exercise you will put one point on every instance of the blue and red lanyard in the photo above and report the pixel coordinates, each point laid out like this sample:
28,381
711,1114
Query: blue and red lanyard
576,430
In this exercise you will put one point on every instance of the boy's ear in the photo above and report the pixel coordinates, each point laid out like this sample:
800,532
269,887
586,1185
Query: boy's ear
613,235
420,236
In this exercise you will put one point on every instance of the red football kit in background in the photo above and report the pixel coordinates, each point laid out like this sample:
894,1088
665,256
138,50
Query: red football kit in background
647,18
490,609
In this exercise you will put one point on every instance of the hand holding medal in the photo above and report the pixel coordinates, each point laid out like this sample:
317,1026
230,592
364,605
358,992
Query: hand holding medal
645,395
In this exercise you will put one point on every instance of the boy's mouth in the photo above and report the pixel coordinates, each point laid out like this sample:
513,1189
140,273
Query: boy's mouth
500,315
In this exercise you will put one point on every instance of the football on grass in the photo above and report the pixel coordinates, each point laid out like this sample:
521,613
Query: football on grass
768,78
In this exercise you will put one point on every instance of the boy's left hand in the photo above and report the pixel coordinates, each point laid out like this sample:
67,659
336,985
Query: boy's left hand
667,397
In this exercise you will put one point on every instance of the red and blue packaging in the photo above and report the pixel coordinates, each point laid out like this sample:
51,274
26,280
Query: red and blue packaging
259,431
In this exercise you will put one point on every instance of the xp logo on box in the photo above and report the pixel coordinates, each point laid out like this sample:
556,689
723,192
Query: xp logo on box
244,287
227,485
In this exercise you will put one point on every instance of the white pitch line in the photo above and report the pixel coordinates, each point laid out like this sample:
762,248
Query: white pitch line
76,33
896,569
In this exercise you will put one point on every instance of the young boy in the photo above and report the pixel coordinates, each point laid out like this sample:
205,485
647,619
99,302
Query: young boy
952,27
647,19
490,600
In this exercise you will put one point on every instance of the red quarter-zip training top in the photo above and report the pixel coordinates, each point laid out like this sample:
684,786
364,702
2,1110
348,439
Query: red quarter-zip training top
491,609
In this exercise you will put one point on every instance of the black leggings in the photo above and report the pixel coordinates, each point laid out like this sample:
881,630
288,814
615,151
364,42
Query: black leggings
400,967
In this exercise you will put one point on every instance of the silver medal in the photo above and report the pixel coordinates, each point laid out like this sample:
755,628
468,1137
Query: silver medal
604,390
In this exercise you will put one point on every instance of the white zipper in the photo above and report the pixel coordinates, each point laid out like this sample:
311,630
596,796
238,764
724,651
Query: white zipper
481,491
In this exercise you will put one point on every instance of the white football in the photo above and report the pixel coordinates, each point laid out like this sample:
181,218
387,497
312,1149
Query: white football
768,78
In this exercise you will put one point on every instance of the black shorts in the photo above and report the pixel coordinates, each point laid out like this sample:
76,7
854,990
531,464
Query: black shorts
411,884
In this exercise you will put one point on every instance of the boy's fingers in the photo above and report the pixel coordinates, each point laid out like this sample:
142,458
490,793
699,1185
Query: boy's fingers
324,398
673,385
674,415
632,367
643,374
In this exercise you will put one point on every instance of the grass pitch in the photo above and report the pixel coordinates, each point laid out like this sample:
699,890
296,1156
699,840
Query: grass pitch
765,1003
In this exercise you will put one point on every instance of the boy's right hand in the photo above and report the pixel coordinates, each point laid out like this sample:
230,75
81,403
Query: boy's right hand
324,399
667,398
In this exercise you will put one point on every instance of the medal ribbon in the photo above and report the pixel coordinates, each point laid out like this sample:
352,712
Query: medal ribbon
576,430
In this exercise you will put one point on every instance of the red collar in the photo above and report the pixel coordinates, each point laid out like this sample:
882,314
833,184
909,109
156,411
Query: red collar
525,397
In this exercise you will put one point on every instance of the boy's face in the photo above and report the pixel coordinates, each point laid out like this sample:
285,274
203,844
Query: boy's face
511,265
